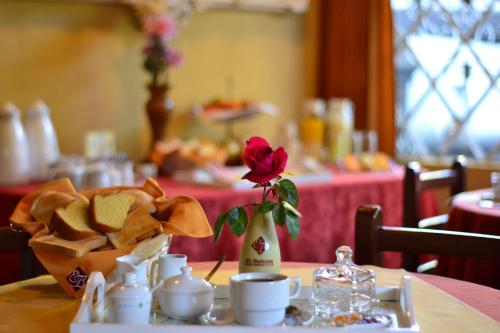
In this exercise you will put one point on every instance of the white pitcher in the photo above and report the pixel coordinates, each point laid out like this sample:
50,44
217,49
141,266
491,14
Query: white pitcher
42,140
14,153
132,264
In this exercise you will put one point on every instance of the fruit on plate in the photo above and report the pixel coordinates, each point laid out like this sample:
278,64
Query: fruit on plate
229,105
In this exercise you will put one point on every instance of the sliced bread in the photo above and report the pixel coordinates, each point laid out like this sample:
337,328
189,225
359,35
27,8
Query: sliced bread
47,201
108,212
142,199
138,226
72,221
75,249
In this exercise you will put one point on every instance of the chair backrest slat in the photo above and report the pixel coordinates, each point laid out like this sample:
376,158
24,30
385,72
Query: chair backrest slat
415,182
372,237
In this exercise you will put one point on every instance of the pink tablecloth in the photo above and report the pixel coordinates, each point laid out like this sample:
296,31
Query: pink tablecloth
328,215
467,215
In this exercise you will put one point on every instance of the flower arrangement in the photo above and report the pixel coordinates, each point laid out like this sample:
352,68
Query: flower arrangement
279,195
158,54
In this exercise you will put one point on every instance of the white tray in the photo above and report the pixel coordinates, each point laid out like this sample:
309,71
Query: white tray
396,302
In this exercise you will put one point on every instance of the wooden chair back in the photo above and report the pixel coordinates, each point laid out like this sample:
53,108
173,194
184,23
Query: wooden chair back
17,241
372,238
415,182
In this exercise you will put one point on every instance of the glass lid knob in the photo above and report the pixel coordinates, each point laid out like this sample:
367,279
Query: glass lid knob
344,253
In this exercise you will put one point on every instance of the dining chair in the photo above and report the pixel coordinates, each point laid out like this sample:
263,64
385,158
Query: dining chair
415,182
372,238
17,241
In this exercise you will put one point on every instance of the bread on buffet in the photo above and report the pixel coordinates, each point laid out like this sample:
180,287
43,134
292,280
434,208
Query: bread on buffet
108,212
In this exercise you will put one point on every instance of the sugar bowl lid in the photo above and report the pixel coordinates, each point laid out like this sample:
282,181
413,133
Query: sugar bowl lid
186,282
130,289
345,268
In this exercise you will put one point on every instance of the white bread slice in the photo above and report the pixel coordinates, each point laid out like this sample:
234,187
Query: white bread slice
72,221
72,248
47,201
108,212
138,226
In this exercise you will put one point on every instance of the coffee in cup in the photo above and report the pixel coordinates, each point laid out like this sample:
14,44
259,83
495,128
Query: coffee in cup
260,299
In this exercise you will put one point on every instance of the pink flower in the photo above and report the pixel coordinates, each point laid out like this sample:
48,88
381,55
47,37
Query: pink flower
173,57
163,27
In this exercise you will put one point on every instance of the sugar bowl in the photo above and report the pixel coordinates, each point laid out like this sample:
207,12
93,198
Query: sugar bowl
343,286
130,302
185,296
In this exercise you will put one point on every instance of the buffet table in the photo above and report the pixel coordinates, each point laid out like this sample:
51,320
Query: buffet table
469,213
441,304
328,211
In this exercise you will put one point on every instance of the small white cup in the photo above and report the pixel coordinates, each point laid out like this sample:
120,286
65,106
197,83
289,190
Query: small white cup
166,266
260,299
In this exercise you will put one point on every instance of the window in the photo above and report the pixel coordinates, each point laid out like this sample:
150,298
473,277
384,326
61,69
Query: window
447,58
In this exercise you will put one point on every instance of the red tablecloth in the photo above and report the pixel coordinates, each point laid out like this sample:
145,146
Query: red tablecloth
467,215
328,215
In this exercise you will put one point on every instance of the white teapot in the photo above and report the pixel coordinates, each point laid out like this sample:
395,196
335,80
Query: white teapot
185,296
130,302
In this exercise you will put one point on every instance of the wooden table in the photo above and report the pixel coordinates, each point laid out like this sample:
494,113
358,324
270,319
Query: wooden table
39,305
466,214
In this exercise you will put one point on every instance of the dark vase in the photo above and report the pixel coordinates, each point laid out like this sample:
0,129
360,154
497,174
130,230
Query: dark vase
159,107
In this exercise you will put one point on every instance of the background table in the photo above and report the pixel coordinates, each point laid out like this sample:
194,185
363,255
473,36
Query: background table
39,305
466,215
328,215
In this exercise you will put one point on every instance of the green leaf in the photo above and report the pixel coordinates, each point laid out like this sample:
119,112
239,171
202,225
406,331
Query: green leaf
218,226
279,215
237,219
266,206
292,224
291,209
287,191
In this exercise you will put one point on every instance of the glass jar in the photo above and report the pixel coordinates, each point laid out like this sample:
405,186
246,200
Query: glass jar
343,286
312,128
339,127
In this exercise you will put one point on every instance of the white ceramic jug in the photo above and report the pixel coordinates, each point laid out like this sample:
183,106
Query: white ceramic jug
132,264
42,140
14,153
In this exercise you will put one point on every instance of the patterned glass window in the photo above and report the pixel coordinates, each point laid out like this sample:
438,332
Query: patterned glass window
447,58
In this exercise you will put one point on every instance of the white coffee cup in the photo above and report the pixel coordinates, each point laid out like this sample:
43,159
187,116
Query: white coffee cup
166,266
260,299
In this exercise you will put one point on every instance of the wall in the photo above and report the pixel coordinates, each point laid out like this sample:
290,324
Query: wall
85,61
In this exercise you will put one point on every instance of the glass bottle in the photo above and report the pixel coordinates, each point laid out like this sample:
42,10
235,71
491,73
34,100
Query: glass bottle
343,286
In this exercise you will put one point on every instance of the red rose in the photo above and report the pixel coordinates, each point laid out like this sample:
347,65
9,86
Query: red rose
264,163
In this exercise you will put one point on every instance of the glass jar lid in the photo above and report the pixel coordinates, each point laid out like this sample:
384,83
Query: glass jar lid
344,268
